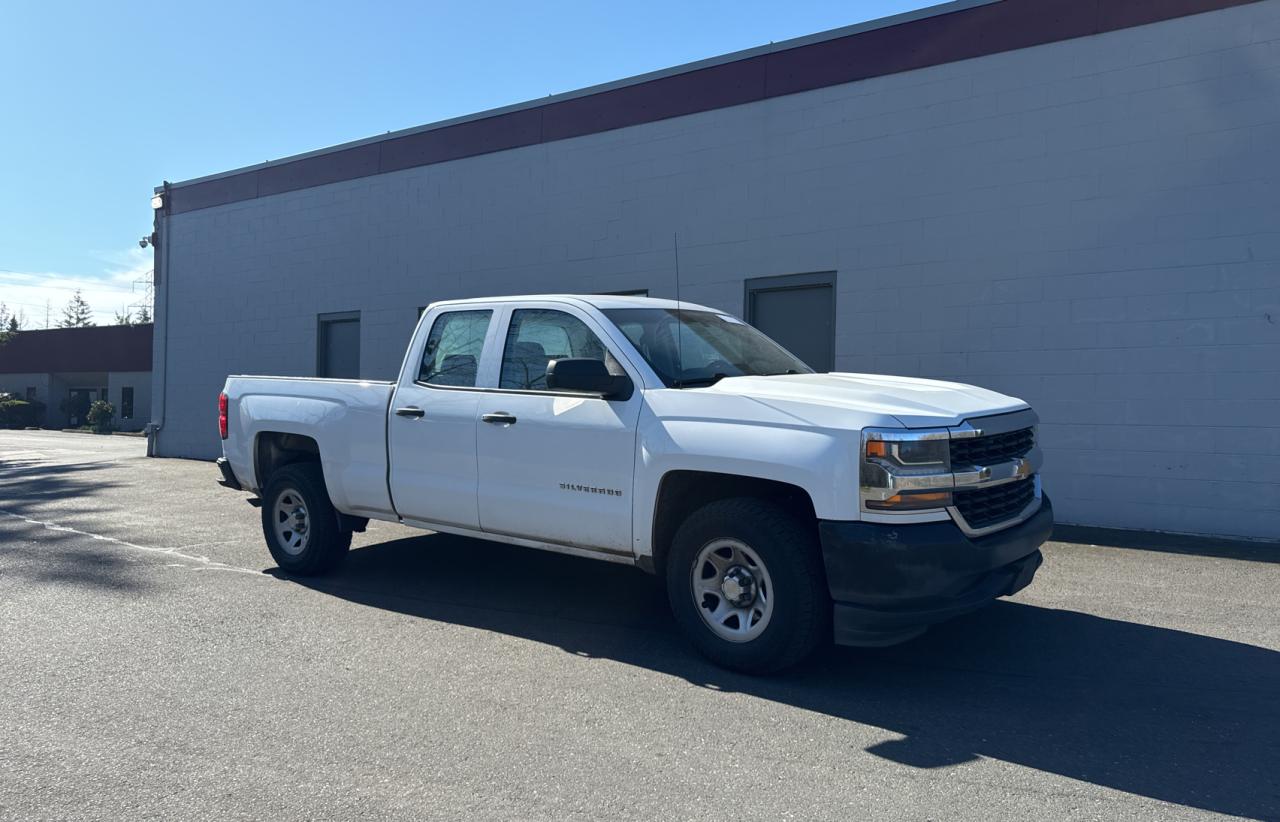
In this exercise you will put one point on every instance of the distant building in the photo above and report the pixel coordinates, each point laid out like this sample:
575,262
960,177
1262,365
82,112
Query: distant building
68,368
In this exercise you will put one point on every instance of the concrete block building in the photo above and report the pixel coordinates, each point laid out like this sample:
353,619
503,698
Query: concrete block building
1072,201
66,369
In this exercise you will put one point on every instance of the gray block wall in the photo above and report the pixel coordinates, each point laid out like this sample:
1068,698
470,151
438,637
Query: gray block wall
1092,225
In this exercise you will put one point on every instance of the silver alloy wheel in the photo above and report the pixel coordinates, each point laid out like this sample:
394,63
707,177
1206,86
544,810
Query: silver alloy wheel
732,590
290,519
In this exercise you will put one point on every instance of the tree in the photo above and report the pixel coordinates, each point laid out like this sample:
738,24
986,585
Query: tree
144,315
77,314
124,317
10,323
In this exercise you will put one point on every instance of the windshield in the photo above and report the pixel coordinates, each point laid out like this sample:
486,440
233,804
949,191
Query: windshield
707,347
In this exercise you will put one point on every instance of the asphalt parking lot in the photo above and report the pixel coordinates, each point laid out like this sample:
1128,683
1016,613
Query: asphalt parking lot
152,666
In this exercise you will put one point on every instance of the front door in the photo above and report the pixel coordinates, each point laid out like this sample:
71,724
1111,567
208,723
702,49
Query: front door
432,424
78,402
554,466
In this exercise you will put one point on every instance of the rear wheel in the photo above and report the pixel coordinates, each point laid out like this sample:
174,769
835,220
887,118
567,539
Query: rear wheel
746,584
300,523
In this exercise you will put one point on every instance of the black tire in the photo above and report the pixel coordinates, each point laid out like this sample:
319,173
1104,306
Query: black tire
326,543
788,546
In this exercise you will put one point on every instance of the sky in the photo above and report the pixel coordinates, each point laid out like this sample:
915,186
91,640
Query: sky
100,102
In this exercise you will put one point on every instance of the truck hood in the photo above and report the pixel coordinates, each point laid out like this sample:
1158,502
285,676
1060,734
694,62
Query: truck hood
826,399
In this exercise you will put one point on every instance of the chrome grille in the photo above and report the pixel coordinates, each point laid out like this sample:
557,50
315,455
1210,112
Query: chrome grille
984,507
993,448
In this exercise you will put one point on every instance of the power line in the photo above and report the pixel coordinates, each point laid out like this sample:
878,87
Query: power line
88,287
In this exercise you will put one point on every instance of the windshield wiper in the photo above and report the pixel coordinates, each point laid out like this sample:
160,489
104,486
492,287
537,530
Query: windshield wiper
781,373
700,382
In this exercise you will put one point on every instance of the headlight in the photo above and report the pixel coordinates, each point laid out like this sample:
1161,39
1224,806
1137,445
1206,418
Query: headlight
905,470
912,453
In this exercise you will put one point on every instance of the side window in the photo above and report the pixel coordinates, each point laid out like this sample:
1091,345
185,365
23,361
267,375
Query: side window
452,353
537,336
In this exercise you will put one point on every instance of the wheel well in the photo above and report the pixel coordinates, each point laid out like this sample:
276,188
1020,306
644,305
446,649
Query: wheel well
276,450
683,492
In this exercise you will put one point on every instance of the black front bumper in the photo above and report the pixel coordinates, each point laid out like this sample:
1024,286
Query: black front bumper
890,582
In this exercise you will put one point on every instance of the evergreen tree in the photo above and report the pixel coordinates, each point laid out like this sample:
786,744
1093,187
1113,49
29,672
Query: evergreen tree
144,315
10,324
124,317
77,314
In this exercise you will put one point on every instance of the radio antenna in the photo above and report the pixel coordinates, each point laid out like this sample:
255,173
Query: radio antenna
675,246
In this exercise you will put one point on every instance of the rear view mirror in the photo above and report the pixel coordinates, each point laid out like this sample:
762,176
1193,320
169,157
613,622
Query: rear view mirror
587,375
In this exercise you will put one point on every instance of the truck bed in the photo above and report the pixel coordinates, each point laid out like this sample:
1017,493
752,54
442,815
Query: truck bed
346,418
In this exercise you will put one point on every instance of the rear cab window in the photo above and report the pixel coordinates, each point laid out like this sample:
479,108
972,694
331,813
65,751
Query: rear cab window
451,356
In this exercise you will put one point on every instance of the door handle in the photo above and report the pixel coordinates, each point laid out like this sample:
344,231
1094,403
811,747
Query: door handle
410,411
499,417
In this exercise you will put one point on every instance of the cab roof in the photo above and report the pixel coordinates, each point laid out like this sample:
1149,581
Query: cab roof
600,301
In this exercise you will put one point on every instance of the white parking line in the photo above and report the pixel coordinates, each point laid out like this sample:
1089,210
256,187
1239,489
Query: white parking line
22,456
203,563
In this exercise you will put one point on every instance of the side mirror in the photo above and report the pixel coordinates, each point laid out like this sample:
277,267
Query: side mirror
587,375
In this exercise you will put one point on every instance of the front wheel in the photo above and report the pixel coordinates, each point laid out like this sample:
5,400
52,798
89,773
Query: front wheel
746,584
300,523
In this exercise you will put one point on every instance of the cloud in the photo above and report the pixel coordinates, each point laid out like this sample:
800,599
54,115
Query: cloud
122,285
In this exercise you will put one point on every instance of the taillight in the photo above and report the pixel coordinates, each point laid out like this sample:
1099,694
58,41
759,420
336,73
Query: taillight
222,415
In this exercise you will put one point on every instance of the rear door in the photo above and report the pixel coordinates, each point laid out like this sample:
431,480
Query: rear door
556,466
431,426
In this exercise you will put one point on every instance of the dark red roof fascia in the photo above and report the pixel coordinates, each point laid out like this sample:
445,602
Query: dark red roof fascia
928,41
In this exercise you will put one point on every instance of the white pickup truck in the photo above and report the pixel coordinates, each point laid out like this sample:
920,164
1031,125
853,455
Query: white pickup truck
780,507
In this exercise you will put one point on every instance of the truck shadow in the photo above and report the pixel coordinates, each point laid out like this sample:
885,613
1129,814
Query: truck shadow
1161,713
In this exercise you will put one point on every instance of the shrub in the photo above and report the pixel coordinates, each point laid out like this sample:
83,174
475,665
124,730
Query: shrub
15,413
101,415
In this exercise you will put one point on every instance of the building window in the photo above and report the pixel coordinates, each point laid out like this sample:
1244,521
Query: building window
31,393
799,313
338,345
452,353
126,402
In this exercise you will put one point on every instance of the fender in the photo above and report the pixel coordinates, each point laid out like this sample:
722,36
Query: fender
821,462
